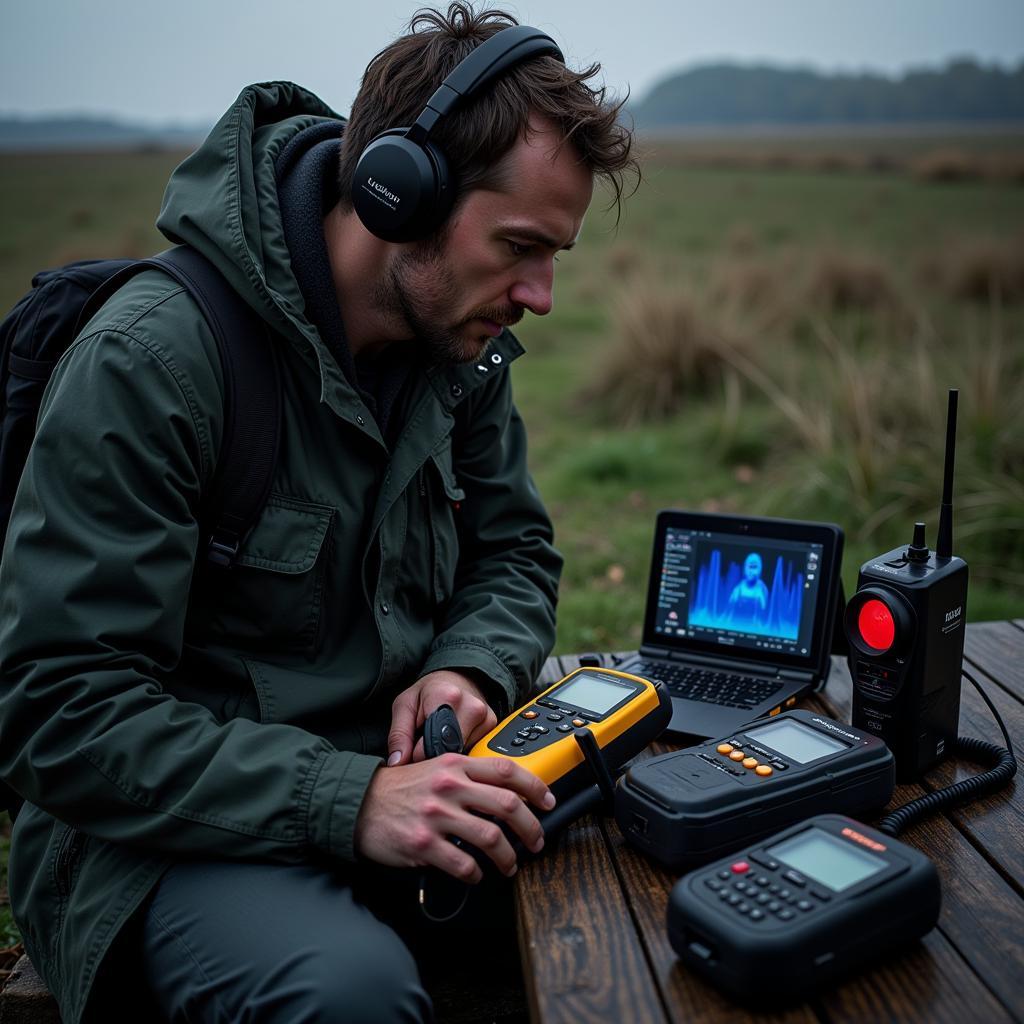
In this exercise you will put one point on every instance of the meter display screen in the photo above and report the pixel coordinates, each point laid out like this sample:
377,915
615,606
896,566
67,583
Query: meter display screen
795,740
826,859
592,692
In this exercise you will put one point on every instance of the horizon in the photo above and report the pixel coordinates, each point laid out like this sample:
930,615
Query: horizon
129,61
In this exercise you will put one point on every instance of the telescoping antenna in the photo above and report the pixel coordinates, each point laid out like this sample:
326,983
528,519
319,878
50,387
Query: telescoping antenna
944,543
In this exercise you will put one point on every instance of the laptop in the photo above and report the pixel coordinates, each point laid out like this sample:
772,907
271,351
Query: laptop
739,618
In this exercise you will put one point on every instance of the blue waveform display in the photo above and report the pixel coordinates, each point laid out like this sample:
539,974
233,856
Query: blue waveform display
739,599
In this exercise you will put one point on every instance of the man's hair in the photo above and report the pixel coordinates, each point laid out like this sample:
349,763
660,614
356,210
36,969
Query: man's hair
398,82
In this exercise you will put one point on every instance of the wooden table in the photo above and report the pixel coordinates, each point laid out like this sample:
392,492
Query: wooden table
591,913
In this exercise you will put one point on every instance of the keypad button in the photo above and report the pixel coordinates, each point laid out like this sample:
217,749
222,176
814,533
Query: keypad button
774,905
554,718
541,730
785,915
819,895
546,704
743,907
750,762
724,748
765,861
579,723
533,736
517,742
756,915
773,888
525,733
530,714
740,886
763,898
725,873
737,755
723,894
733,899
713,883
785,894
795,878
805,905
762,880
763,770
741,867
564,727
779,766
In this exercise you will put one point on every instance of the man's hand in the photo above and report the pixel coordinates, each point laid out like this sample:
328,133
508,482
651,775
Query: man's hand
409,812
411,707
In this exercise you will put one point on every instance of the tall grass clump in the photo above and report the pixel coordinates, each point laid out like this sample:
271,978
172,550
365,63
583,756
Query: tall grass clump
666,347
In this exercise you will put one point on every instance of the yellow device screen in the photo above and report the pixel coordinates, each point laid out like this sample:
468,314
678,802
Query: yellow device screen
623,712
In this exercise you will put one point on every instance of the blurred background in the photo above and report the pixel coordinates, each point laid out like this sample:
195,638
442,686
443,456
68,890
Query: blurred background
829,232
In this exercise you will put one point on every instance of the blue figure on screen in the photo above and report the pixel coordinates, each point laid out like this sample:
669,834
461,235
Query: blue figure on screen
749,598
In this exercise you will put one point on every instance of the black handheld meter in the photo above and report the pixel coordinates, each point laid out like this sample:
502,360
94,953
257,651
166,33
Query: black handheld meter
691,805
803,908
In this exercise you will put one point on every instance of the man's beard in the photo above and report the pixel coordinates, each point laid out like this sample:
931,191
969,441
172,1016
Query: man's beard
420,288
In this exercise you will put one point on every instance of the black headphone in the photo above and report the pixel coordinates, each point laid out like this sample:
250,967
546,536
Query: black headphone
401,188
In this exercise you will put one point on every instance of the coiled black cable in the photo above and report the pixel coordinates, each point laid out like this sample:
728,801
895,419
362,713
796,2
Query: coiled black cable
1002,758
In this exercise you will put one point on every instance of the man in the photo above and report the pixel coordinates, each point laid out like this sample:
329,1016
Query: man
214,765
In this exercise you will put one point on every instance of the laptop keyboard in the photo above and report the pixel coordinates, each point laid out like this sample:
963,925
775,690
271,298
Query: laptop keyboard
710,685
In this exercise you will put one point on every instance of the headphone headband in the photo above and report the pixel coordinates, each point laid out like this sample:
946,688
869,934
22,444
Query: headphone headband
478,69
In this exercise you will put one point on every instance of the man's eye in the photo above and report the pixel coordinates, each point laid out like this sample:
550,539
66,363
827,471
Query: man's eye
518,248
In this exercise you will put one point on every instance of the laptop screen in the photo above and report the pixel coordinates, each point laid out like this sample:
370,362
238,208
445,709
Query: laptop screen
740,587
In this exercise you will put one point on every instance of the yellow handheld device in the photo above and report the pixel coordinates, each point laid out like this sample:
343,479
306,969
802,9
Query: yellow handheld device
557,735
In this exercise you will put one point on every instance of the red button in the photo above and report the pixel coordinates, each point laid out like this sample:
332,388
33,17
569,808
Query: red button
876,625
741,867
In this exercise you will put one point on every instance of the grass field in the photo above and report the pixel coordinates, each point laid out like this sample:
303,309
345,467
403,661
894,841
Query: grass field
769,331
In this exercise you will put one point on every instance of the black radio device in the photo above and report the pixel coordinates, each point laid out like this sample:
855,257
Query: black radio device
905,625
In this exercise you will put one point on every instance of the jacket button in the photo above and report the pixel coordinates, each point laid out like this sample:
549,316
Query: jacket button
495,358
360,420
457,390
384,608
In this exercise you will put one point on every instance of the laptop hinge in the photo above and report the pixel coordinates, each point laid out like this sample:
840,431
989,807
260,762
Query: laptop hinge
796,674
650,651
732,664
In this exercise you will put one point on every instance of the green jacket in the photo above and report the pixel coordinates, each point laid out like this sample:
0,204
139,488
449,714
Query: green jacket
144,719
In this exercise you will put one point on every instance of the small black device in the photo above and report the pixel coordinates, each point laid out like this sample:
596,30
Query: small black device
905,626
402,189
692,805
740,614
801,909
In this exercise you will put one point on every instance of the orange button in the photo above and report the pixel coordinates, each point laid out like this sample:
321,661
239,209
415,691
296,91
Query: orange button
763,769
774,712
750,762
725,748
530,714
790,702
578,722
737,755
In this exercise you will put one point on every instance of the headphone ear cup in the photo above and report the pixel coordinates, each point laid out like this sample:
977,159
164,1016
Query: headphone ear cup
399,189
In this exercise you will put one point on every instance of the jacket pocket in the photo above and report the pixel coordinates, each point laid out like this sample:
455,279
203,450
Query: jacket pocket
445,501
271,598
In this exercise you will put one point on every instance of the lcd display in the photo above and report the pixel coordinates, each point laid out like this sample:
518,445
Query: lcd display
795,740
826,859
592,692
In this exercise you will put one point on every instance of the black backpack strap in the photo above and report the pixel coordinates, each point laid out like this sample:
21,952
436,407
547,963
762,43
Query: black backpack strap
252,394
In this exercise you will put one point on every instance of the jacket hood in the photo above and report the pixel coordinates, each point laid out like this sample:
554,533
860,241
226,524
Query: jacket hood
223,201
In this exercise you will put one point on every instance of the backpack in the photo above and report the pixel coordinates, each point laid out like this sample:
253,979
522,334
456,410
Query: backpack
44,322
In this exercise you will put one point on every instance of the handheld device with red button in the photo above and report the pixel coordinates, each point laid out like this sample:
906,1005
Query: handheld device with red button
692,805
591,711
801,909
905,626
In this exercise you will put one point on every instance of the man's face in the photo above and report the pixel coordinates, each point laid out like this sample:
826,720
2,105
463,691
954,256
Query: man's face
496,257
752,568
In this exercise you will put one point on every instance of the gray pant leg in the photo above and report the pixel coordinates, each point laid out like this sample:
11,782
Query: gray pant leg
243,943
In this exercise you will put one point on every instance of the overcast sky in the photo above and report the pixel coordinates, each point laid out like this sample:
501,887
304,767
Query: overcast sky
187,60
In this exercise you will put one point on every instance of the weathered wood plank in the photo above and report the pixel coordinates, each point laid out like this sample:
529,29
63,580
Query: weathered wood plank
997,648
689,998
582,958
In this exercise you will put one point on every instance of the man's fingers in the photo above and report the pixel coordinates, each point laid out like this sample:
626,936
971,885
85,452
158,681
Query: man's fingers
403,729
476,720
507,806
503,772
485,835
